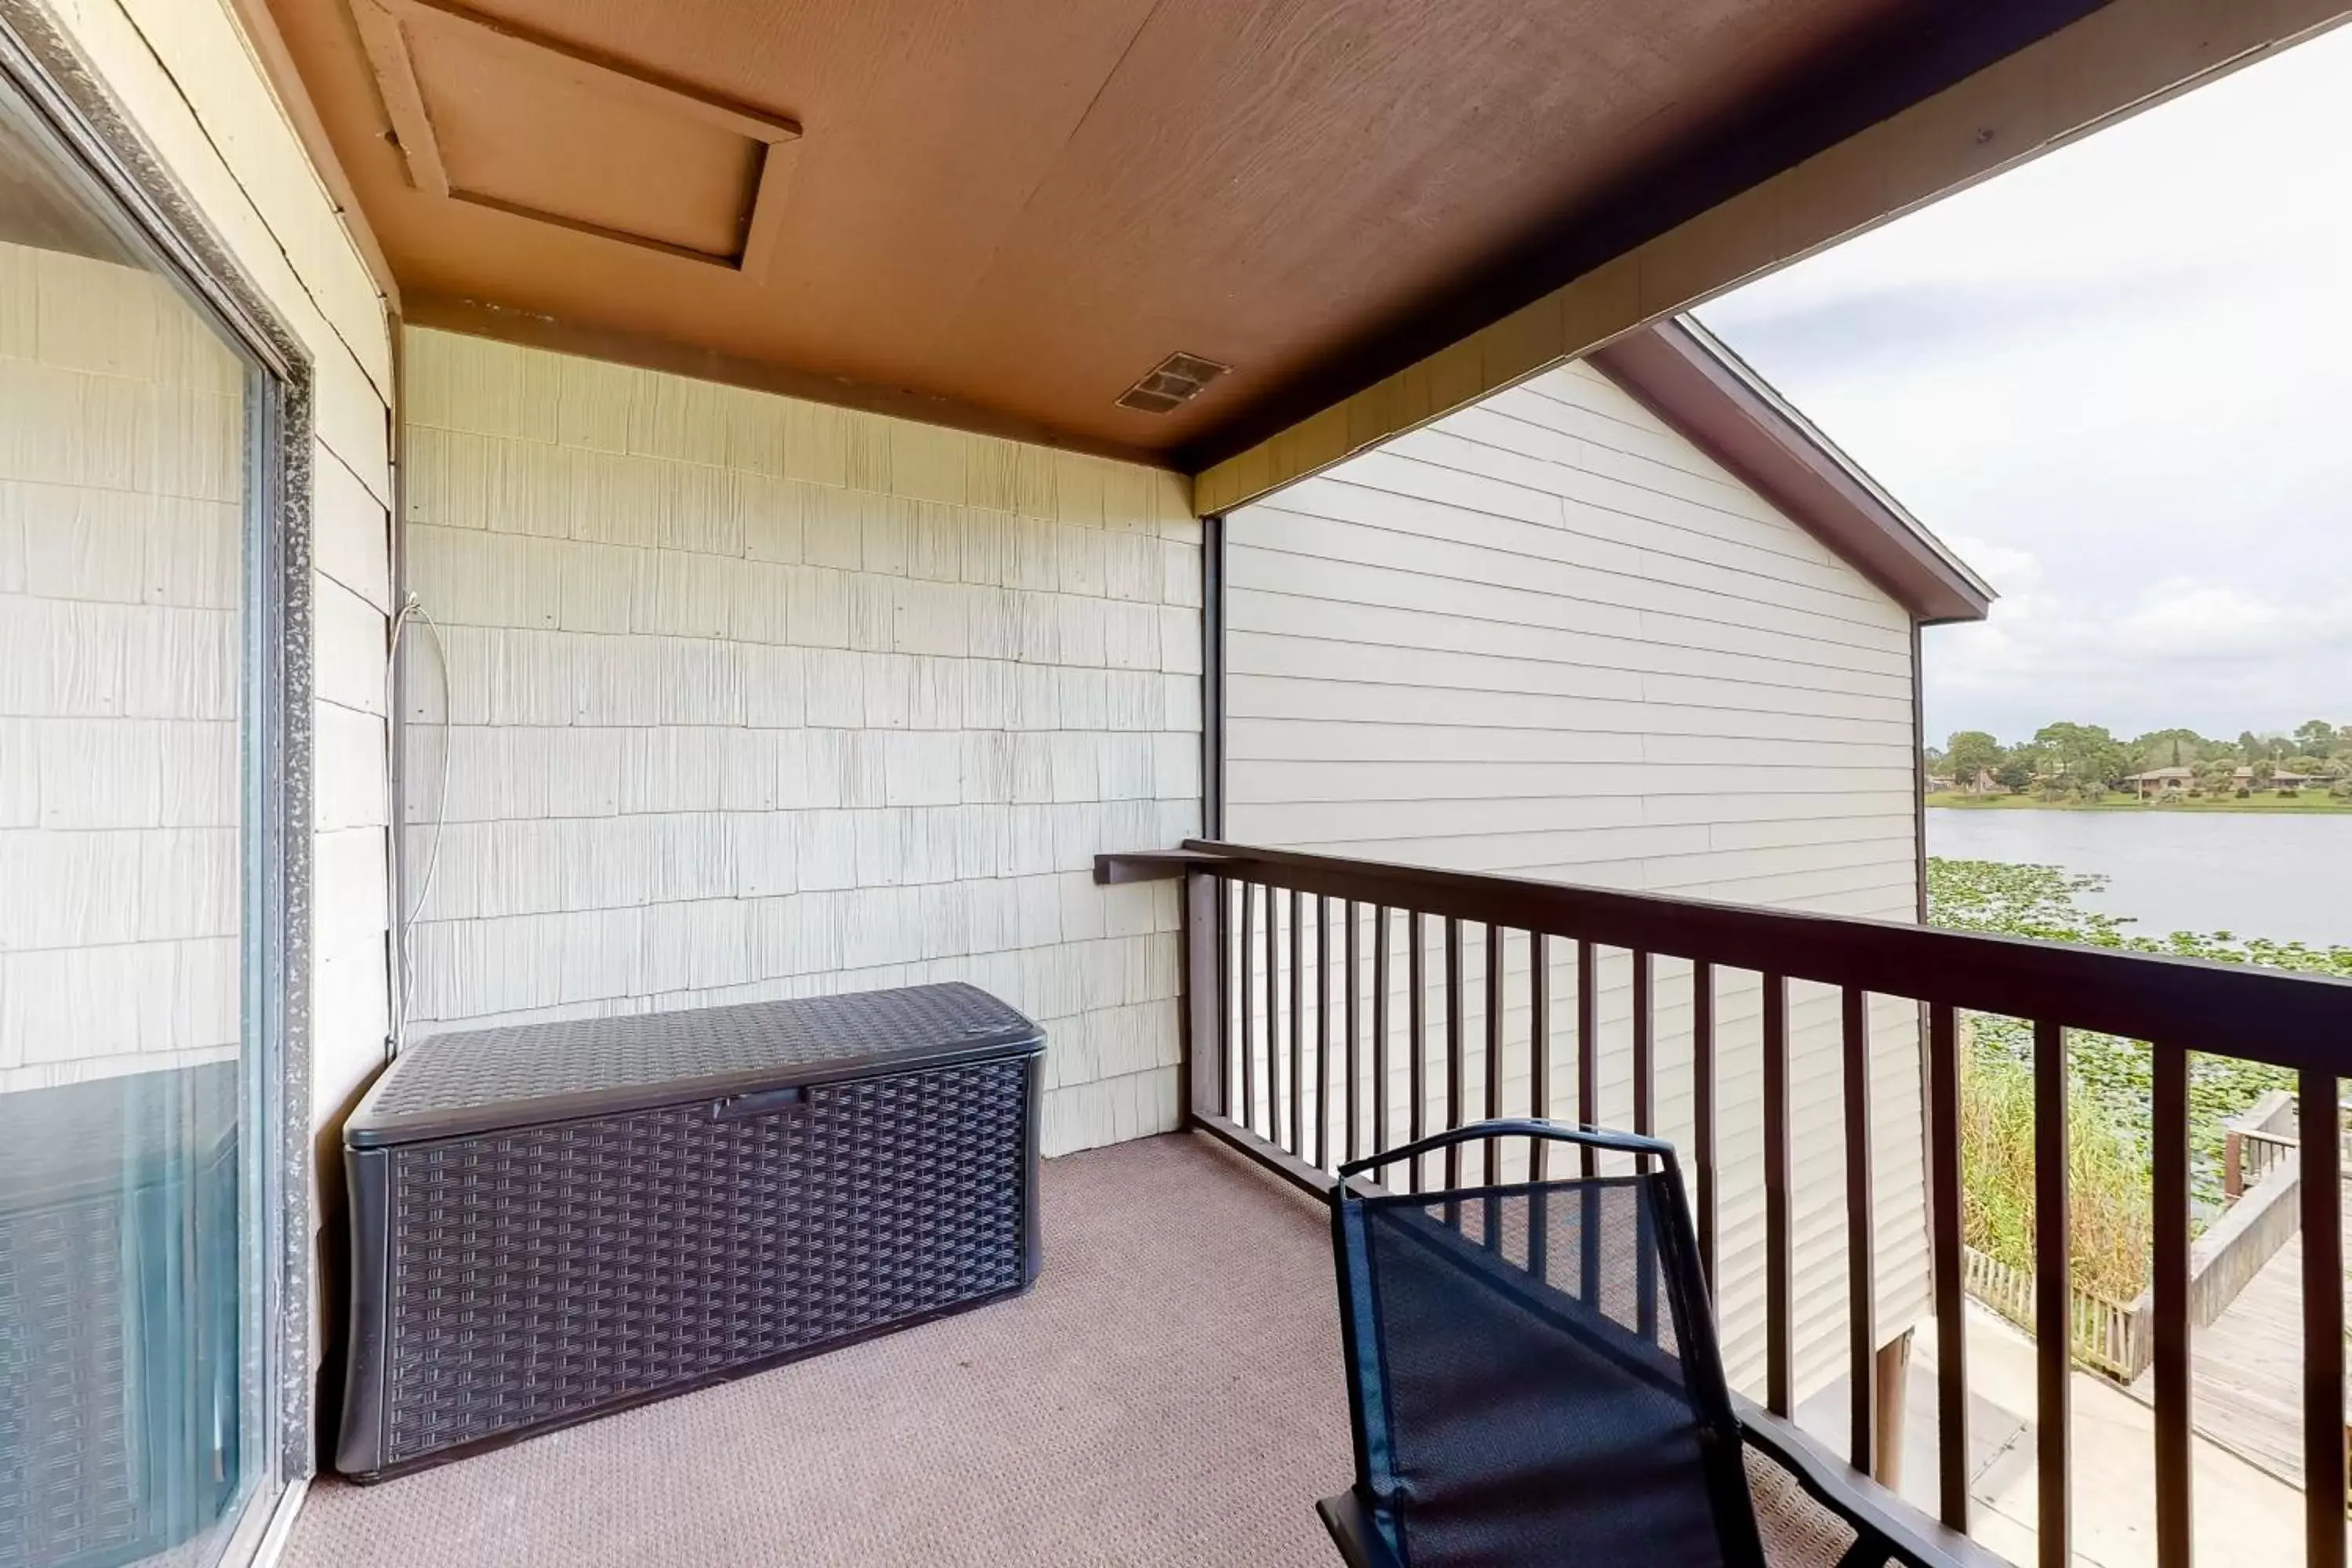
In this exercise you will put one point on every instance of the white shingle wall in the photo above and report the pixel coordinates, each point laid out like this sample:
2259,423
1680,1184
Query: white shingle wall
119,458
1546,636
752,698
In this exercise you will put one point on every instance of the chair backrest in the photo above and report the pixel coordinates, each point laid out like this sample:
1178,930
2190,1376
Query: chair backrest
1533,1373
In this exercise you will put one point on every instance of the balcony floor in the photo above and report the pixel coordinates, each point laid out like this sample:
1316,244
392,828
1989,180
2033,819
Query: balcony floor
1170,1393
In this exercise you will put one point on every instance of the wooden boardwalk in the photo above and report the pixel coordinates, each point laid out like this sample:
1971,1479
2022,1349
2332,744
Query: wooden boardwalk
2246,1370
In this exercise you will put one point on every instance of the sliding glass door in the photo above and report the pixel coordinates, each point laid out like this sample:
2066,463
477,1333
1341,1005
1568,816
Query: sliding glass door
137,1066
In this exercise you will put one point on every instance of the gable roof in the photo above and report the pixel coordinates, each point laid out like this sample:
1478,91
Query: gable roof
1688,377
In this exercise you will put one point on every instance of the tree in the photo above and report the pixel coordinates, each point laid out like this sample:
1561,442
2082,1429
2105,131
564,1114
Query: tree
2016,771
2169,749
2317,736
2079,755
1969,753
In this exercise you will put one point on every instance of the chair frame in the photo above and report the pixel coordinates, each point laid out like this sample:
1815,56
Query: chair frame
1886,1529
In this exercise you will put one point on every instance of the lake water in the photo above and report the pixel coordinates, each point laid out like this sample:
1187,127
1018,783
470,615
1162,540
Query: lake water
2286,878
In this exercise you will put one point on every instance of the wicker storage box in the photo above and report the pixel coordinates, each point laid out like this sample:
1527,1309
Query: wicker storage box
555,1221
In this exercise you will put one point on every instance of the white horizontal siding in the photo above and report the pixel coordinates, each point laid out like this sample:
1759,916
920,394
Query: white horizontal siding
1548,637
750,698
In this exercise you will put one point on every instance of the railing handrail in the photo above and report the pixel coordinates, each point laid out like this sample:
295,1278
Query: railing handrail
2300,1022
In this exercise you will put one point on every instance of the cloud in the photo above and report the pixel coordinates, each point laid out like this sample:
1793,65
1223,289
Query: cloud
2215,657
1872,325
2013,571
2180,618
2114,379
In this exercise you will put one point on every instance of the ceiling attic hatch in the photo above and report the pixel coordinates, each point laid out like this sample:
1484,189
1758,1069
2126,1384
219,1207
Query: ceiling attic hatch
493,115
1173,382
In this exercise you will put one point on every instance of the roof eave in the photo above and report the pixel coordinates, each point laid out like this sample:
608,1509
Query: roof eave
1688,378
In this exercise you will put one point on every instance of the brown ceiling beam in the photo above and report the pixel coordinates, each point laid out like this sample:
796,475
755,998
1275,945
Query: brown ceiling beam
1547,307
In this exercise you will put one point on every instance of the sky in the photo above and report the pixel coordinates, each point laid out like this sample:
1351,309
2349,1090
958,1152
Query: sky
2117,380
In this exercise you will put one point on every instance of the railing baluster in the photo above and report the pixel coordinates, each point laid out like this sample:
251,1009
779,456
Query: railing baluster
1453,1030
1588,1051
1416,1002
1539,1042
1703,1109
2319,1125
2169,1182
1646,1075
1861,1221
1494,1047
1380,1027
1273,1015
2052,1352
1297,1020
1249,1008
1223,937
1944,1196
1646,1308
1201,956
1322,1034
1354,1062
1780,1365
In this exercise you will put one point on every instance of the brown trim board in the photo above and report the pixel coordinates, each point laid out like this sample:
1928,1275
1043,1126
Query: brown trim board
526,329
1689,379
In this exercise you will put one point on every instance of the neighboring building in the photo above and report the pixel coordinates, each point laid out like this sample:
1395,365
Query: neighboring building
2161,780
2280,778
1633,624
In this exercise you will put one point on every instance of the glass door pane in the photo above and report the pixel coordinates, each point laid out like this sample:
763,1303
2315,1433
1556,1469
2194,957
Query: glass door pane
134,1187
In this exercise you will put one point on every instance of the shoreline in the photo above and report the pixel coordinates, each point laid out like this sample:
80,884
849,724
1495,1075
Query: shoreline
2256,806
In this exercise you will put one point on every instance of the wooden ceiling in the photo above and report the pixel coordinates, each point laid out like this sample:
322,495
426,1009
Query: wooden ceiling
1014,209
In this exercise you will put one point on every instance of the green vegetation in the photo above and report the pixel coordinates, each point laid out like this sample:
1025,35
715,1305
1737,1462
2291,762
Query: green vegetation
2107,1190
2082,764
2109,1076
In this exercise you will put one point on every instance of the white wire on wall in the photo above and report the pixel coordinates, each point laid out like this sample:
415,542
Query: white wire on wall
404,921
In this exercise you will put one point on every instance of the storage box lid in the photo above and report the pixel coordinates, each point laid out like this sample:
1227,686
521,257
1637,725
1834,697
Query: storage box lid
485,1079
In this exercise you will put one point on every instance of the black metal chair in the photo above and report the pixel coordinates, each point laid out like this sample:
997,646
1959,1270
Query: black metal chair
1533,1378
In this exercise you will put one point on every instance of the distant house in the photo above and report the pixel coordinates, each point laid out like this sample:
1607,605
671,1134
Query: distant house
2280,778
1940,784
2161,780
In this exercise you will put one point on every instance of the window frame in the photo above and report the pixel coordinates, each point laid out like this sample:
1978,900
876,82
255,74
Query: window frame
96,136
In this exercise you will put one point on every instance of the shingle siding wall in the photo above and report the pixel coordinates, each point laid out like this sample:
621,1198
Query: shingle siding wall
119,538
1546,636
749,698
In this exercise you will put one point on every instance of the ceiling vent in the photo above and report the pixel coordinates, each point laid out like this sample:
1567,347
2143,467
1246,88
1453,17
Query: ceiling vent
1173,382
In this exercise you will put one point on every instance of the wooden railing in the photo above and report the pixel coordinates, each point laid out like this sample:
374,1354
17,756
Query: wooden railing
2259,1140
2109,1336
1272,1068
2249,1155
